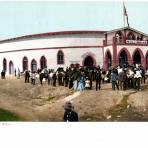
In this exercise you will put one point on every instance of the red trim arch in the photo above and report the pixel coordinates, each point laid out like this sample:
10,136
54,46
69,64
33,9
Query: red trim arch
130,61
12,67
22,63
89,55
45,61
63,57
105,58
6,63
31,64
141,55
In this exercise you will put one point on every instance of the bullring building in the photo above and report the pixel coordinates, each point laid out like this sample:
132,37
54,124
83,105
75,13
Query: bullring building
84,48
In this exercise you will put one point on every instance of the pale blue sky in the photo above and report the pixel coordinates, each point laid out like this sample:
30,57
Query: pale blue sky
22,18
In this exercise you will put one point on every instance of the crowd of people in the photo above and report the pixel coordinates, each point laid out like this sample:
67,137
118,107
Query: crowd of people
128,77
74,78
82,78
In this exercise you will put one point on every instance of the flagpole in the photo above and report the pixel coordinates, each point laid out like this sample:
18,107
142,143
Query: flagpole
123,15
124,22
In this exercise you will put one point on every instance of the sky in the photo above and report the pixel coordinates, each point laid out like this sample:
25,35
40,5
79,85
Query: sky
23,18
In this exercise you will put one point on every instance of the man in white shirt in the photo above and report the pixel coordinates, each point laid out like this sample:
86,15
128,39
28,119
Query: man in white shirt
137,77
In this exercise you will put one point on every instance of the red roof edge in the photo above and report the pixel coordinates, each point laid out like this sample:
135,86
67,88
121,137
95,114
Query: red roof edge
52,34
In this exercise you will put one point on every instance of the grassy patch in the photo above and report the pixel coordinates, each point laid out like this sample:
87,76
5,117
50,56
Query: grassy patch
118,109
50,98
6,115
125,112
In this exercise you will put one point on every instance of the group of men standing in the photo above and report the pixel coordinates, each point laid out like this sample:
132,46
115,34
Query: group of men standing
128,77
123,77
76,78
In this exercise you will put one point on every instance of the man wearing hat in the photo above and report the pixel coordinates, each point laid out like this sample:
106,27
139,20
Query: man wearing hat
70,114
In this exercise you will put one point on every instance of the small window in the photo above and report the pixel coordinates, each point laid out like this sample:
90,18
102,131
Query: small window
131,36
60,57
119,37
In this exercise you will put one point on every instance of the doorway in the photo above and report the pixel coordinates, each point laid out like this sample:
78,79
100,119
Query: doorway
10,67
137,57
88,62
123,58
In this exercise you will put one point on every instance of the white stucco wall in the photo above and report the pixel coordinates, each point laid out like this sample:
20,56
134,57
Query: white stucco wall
54,41
15,50
71,55
110,36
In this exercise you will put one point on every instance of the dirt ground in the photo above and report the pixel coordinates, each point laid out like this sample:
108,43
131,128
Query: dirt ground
46,103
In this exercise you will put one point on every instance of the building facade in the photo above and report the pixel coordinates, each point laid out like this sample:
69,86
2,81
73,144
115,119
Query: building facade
84,48
125,45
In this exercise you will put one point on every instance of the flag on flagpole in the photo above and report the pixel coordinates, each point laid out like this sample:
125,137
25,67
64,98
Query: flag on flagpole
125,15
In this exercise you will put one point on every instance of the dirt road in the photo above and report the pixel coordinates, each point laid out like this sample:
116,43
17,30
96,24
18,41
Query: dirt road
45,103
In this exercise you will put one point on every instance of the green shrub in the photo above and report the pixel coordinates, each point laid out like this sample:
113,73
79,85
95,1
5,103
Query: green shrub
6,115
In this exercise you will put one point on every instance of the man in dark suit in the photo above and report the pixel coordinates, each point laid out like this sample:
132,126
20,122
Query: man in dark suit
70,115
98,79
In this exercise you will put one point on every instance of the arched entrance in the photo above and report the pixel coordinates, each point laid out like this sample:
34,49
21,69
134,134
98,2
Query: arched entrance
108,60
33,65
10,67
88,61
25,63
43,62
137,57
123,58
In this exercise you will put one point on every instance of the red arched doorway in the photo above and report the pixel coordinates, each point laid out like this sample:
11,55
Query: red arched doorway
138,57
108,60
43,62
11,69
33,65
25,63
123,58
89,61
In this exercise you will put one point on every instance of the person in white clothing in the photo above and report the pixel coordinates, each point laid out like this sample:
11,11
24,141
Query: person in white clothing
137,78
